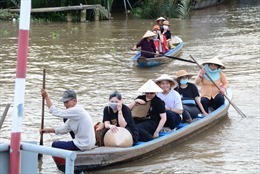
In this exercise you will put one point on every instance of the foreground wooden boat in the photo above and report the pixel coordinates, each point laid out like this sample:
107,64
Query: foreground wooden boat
151,62
101,157
200,4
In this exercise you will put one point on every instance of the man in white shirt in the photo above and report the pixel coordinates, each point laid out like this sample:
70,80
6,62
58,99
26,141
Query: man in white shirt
78,121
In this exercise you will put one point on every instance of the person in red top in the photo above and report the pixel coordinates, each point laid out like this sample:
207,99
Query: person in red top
147,45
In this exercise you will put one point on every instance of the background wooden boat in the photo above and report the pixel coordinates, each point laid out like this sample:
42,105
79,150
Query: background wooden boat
200,4
151,62
101,157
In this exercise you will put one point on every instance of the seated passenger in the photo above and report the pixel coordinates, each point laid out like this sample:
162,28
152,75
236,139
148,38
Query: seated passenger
210,94
147,45
172,99
167,36
116,114
159,23
150,126
158,39
190,97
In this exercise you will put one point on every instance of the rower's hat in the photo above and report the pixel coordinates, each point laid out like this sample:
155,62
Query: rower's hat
68,95
214,60
150,86
149,34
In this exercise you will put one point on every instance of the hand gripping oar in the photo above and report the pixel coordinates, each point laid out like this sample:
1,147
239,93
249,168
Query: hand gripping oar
42,120
171,57
233,104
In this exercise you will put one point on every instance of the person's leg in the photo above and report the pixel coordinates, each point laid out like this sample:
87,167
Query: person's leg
173,119
146,130
186,117
192,110
205,103
218,101
68,145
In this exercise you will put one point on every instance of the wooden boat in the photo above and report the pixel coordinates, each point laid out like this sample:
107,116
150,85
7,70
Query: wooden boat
200,4
101,157
151,62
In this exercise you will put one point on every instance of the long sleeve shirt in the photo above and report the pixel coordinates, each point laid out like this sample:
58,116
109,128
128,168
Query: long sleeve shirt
80,122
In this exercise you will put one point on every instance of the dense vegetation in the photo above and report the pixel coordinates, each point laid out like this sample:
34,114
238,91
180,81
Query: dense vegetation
139,8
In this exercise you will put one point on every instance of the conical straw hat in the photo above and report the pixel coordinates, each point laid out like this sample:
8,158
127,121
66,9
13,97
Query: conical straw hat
150,86
149,34
215,60
163,77
182,73
120,138
160,18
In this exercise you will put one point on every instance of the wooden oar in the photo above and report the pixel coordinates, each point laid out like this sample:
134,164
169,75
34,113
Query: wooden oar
4,115
233,104
171,57
42,120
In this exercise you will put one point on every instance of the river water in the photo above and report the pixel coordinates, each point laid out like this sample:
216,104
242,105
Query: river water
94,58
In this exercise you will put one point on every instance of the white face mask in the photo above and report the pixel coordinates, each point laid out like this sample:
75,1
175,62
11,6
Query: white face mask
165,27
112,105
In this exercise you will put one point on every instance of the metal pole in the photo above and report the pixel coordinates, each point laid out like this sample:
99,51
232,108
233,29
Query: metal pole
23,40
125,8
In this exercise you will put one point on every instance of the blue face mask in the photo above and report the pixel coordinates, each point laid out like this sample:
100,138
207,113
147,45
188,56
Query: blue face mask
112,105
183,81
214,74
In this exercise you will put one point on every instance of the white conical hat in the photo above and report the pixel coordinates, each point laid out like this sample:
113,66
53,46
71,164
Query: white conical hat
166,77
150,86
160,18
149,34
215,60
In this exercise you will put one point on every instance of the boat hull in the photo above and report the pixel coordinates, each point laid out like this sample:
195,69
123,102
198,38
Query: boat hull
101,157
143,62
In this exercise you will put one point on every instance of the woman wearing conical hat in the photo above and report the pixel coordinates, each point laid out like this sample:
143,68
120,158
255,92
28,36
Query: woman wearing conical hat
147,45
190,97
172,99
150,126
211,96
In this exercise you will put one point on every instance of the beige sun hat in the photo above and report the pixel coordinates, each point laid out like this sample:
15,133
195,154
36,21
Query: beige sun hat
163,77
160,18
150,86
166,23
149,34
182,73
215,60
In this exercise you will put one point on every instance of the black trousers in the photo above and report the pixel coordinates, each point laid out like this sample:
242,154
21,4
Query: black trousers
215,103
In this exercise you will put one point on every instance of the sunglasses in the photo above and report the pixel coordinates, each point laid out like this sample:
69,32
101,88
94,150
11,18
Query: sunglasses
151,93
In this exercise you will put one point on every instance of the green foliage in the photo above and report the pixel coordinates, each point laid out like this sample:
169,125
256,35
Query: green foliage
148,9
54,35
52,16
5,32
5,15
167,8
183,9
